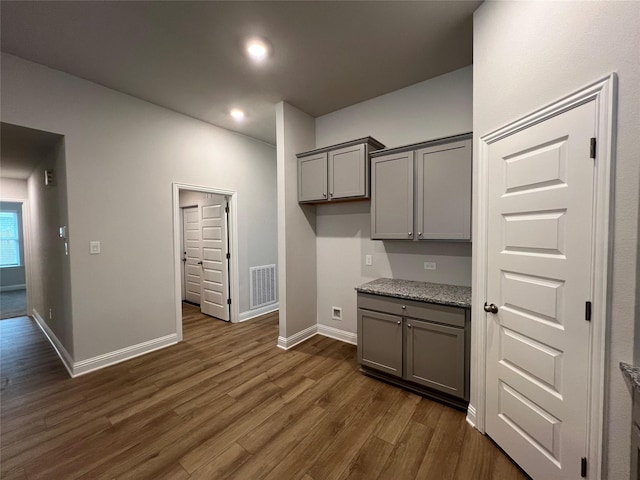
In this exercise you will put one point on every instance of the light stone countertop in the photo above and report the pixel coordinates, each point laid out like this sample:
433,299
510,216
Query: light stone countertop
452,295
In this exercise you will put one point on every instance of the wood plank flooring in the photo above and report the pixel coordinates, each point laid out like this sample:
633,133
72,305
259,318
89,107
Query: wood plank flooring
226,403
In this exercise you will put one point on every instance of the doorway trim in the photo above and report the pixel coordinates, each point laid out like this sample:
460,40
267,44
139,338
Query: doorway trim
233,248
604,94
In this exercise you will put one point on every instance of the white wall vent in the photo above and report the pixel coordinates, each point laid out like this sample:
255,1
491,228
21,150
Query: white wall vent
262,289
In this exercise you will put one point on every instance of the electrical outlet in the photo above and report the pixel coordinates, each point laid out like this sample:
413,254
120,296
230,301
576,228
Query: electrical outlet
429,265
336,313
368,259
94,248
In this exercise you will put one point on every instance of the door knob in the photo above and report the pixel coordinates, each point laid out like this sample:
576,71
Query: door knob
200,262
490,308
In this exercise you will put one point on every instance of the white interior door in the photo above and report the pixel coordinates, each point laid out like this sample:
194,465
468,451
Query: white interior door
539,267
214,292
192,254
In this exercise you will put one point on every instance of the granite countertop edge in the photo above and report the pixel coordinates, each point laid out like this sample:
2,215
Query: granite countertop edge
632,374
425,292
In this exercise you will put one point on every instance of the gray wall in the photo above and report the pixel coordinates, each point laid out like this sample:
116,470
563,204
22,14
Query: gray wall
49,266
431,109
14,277
297,282
528,54
123,155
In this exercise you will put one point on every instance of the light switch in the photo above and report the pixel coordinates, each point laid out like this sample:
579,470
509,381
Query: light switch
94,248
368,260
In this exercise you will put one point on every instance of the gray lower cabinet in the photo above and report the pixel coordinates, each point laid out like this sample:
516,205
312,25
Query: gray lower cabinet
422,191
424,346
435,356
381,345
339,172
635,437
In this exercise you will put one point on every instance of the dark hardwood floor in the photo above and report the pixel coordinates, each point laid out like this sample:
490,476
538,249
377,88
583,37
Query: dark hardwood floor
226,403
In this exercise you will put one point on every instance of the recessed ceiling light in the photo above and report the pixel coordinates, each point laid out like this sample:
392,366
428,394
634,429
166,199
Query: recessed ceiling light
257,49
237,114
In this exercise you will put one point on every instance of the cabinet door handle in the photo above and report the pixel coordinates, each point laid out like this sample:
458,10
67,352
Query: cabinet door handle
419,234
408,325
324,195
410,233
399,322
404,307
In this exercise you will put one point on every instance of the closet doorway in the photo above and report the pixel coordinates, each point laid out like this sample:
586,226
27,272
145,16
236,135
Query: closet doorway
204,236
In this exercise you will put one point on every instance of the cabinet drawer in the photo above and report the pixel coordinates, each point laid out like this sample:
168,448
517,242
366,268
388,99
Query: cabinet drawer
453,316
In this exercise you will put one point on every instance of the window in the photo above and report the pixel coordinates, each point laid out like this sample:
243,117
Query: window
9,239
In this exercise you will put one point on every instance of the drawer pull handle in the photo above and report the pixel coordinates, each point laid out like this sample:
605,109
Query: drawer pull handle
399,322
404,307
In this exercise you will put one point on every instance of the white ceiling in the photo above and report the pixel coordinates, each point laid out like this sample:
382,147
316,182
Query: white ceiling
188,56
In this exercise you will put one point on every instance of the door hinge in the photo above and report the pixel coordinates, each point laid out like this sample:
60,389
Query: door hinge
587,311
593,148
228,256
226,209
583,467
228,301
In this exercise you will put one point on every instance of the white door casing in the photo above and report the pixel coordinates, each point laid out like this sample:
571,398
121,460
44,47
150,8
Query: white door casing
192,253
528,349
215,276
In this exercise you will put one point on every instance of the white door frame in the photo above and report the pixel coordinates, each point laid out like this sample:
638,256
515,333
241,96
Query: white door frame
233,249
604,93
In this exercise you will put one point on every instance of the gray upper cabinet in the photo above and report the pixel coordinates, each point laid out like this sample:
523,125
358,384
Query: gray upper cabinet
312,178
422,191
443,192
339,172
392,200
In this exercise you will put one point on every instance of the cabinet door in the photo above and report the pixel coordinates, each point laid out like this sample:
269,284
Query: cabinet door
312,178
435,356
392,196
635,453
380,341
444,192
348,172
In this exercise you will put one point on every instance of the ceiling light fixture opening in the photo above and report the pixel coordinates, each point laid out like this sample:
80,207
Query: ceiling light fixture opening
257,49
237,114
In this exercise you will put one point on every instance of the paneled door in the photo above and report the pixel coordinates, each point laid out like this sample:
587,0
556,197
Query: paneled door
215,273
540,271
192,254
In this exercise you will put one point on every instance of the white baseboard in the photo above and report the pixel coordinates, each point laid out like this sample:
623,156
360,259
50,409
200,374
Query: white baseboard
471,415
256,312
338,334
67,361
295,339
11,288
101,361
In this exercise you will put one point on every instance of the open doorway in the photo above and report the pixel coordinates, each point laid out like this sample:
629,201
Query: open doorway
204,251
13,280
